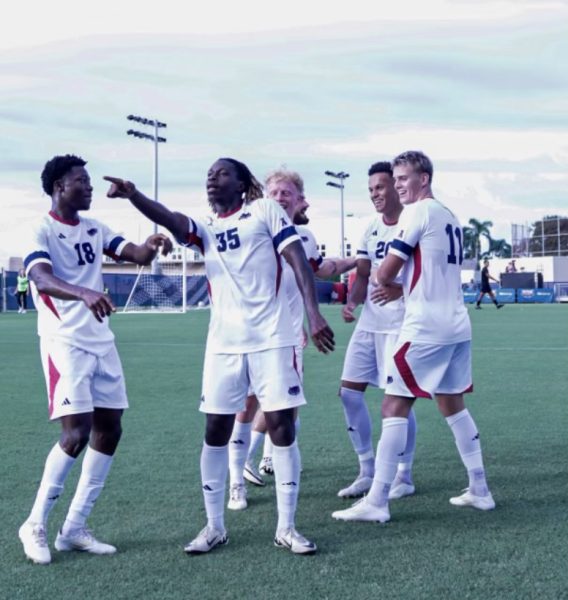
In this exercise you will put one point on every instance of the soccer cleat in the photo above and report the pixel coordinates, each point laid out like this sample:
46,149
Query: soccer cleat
469,499
401,489
363,510
208,538
34,540
82,540
265,466
293,541
251,474
359,487
478,308
237,497
500,305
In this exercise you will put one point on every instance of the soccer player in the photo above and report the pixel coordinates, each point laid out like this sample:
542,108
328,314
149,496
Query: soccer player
83,374
251,339
433,353
22,286
373,340
486,286
287,189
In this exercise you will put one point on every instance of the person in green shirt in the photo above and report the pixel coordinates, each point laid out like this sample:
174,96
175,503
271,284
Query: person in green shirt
22,286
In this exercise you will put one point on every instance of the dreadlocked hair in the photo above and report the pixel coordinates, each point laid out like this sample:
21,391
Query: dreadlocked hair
253,188
56,168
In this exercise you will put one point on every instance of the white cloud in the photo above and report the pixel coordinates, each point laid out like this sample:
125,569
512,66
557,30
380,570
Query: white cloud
49,23
460,144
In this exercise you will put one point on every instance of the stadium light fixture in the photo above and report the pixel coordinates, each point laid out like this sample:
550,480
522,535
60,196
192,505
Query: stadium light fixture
156,139
341,176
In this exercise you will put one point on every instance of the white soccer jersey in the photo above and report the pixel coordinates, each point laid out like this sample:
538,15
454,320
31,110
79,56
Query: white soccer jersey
249,309
374,246
74,249
430,241
295,299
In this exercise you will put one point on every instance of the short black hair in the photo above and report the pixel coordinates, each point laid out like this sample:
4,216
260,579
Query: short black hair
57,167
380,167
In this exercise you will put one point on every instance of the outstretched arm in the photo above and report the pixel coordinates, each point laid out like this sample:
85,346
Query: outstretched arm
145,253
335,266
320,331
177,223
47,283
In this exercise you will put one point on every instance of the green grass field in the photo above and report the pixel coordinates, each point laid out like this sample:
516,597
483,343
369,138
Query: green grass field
152,503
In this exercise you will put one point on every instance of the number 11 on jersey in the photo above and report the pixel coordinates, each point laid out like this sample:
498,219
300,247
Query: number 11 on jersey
453,234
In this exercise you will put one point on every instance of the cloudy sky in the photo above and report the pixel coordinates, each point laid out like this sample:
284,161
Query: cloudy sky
480,86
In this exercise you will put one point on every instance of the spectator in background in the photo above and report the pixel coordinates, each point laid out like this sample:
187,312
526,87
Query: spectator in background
22,286
486,286
511,267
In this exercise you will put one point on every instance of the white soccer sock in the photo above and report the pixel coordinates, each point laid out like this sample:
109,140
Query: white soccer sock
389,449
256,438
359,428
94,471
404,471
238,450
214,467
57,467
268,445
467,441
286,462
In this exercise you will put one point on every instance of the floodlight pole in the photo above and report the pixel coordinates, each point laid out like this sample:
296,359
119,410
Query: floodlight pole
156,139
342,176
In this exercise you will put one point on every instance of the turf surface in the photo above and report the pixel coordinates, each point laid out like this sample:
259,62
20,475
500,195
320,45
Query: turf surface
152,503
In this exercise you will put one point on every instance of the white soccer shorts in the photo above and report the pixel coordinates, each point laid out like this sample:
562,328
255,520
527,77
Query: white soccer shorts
78,381
367,356
273,374
422,370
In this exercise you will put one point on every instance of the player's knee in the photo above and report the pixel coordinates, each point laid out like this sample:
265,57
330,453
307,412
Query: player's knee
218,429
73,440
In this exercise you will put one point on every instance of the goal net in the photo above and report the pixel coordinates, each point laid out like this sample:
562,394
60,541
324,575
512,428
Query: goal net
161,286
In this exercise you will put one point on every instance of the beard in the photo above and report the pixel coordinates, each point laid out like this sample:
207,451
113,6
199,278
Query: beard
301,219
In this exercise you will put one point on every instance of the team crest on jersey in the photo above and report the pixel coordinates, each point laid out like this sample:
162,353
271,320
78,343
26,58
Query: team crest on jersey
401,233
283,222
245,216
375,233
92,231
61,237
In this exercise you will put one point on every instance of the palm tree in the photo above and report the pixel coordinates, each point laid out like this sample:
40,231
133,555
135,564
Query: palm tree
472,237
500,249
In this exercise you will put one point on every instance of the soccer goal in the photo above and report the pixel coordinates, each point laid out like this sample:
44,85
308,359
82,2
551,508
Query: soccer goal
160,287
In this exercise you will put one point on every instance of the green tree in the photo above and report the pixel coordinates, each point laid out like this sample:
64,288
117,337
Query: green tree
549,237
500,249
472,236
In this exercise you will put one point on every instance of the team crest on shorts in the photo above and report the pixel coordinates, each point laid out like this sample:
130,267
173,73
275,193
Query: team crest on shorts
294,390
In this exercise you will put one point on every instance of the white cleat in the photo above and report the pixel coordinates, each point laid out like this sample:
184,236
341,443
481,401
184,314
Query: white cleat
293,541
82,540
251,474
34,540
469,499
237,497
363,510
358,488
208,538
401,489
265,466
